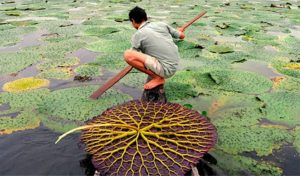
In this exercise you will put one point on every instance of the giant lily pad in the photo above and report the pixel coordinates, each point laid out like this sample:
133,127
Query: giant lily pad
97,31
220,49
67,108
282,107
147,138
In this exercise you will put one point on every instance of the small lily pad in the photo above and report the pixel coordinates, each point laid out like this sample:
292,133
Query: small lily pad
25,84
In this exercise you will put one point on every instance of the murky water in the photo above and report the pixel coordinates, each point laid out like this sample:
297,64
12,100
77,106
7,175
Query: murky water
33,152
257,67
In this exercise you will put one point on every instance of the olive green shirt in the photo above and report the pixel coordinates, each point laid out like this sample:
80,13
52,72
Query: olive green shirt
156,39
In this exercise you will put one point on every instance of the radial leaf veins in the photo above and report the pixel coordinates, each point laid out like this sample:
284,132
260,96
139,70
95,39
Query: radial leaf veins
147,138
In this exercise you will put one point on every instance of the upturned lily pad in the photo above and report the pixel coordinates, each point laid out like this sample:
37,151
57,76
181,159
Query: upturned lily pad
67,108
25,84
281,107
147,138
220,49
88,70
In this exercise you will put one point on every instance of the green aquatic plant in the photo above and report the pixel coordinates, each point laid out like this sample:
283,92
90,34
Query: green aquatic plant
112,61
281,107
100,31
220,49
262,140
288,68
240,165
56,73
178,91
23,23
106,45
25,119
135,79
12,13
289,84
296,142
58,63
11,36
25,84
70,107
88,70
147,138
17,61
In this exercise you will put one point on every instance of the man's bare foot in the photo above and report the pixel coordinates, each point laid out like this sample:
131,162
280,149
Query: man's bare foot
154,82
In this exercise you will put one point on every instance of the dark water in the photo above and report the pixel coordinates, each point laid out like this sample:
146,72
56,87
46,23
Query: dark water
33,152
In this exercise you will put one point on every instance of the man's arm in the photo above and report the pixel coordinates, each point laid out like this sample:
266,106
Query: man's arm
182,35
176,33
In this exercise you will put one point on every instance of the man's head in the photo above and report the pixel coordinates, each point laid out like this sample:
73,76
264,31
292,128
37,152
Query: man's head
137,16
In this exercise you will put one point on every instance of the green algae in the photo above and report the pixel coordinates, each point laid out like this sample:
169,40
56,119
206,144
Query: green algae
23,23
27,119
15,62
12,13
241,165
281,107
88,70
73,104
220,49
100,31
296,142
25,84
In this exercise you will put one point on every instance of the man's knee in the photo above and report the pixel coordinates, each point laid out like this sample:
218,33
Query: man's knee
129,56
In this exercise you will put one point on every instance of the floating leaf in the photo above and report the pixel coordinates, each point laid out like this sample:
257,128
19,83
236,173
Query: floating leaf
98,31
282,107
220,49
297,138
146,138
88,70
25,84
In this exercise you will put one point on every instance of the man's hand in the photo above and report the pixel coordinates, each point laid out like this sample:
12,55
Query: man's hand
181,30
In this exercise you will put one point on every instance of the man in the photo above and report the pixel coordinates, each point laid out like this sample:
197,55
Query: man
153,49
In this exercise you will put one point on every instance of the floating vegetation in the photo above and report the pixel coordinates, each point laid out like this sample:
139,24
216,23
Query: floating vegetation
241,165
23,23
58,63
11,35
179,91
220,49
297,138
88,70
25,84
147,138
98,31
112,61
15,62
105,45
23,121
281,107
246,139
135,79
12,13
56,73
291,69
72,106
290,84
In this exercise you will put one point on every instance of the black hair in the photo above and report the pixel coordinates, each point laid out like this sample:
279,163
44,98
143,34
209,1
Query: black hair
138,15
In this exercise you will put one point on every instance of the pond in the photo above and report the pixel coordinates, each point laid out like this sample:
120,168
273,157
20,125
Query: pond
239,67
